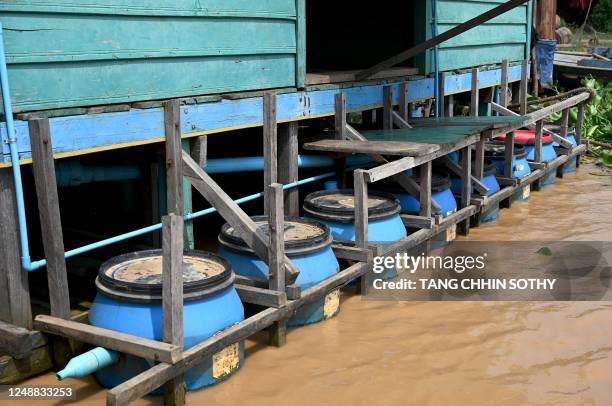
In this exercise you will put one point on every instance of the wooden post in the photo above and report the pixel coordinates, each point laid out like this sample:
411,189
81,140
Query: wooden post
404,106
174,180
578,132
466,185
288,165
361,218
503,95
340,134
563,133
474,93
270,143
50,222
387,107
425,195
523,88
509,155
199,150
537,150
172,298
441,93
15,305
449,105
276,255
187,204
547,15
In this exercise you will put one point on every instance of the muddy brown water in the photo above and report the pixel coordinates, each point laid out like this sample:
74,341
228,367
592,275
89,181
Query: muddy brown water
398,353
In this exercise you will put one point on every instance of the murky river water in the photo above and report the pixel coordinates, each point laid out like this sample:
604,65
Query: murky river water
398,353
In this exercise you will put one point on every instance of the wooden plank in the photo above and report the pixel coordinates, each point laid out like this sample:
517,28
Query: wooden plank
17,341
172,279
288,165
503,94
523,87
509,155
15,302
466,185
413,221
449,105
564,122
232,213
478,172
340,134
261,296
199,150
474,93
537,152
404,105
400,148
453,32
425,196
389,169
387,107
270,143
174,179
14,370
579,127
43,167
276,254
398,121
300,47
361,208
352,253
318,78
114,340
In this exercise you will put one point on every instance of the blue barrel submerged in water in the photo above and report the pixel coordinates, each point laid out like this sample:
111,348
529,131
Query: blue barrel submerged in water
308,244
495,150
527,139
570,166
129,301
490,181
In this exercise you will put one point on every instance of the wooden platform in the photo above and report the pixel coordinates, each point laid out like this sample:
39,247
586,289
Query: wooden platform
400,148
341,76
490,122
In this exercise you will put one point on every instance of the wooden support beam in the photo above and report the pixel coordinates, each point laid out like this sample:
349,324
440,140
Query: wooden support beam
441,94
404,106
288,165
503,94
453,32
413,221
174,179
389,169
340,134
509,155
457,170
387,107
352,253
114,340
199,150
579,126
15,301
449,105
361,208
564,122
478,172
270,143
232,213
261,296
466,186
425,184
523,88
474,93
172,298
276,254
537,151
43,167
18,342
398,121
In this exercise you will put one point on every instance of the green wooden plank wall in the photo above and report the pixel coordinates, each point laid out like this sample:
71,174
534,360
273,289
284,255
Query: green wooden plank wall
504,37
65,53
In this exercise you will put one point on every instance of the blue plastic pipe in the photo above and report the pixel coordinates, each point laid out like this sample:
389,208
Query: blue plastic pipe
256,163
88,363
11,140
74,173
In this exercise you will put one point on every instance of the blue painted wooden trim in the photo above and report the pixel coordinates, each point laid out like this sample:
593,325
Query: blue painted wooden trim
139,126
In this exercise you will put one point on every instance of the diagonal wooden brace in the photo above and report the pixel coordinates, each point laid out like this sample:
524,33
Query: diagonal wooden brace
456,169
232,213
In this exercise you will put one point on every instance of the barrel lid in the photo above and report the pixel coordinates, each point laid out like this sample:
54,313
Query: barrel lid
137,276
339,205
301,235
497,149
526,137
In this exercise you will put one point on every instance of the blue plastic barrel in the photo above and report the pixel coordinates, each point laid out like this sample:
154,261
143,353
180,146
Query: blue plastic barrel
336,208
570,166
308,244
495,150
490,181
442,194
129,301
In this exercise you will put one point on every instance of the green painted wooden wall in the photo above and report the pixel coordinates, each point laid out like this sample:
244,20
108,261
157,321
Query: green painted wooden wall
504,37
65,53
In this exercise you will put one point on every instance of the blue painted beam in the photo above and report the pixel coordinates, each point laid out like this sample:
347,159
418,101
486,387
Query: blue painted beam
81,134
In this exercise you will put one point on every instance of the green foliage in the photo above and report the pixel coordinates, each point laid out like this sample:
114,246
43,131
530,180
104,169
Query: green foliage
597,123
601,16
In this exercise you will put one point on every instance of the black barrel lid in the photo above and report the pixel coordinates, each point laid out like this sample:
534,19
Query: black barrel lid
301,235
497,149
339,205
137,276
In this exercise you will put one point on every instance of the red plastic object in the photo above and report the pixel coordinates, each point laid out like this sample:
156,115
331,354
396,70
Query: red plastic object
526,137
